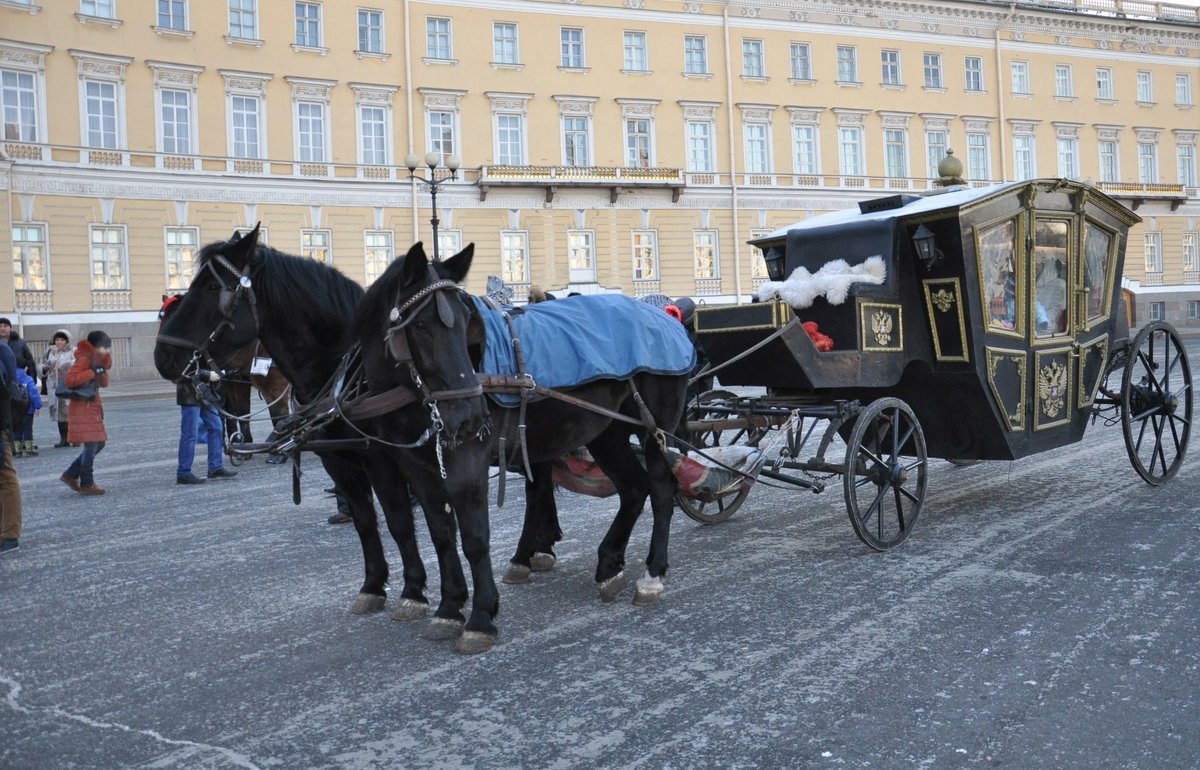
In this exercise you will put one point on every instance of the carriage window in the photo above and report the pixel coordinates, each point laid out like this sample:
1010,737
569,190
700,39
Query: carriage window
1050,297
1097,255
998,264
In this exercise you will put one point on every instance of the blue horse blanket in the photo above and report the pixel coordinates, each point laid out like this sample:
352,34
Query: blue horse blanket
577,340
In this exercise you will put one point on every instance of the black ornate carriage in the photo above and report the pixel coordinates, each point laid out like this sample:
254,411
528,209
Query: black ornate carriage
996,330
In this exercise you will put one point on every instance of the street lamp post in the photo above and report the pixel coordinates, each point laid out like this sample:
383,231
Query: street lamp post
432,160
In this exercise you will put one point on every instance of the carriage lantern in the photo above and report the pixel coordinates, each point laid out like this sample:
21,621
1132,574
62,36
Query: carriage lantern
925,243
432,159
773,258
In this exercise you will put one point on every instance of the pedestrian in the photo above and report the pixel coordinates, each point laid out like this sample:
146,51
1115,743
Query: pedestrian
23,445
194,397
58,359
20,350
93,359
10,485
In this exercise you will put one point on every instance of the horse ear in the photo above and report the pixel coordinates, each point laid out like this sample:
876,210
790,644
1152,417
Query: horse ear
241,249
456,267
416,265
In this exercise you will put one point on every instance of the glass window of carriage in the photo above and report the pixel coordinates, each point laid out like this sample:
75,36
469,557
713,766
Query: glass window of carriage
1001,276
1098,247
1051,265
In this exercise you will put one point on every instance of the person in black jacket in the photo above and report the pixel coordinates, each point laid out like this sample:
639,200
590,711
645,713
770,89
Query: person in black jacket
20,350
10,485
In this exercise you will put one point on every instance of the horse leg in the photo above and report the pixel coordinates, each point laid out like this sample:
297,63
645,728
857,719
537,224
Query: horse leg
425,478
663,487
392,491
466,483
350,476
539,531
613,454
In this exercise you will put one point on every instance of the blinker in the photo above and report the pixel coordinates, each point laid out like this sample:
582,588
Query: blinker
443,310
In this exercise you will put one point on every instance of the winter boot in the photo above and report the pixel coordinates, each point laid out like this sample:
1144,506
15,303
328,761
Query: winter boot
62,436
31,449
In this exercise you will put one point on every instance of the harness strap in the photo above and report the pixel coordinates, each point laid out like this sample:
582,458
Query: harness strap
503,383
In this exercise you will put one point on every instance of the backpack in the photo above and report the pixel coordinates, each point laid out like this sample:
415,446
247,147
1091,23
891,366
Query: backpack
16,393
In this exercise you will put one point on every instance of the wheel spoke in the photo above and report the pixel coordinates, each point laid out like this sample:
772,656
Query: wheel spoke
906,493
899,507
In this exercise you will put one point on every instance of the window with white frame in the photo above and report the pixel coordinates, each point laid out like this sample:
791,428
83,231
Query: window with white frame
246,117
645,255
890,62
373,136
801,61
1193,309
1020,77
571,44
449,242
101,114
577,131
1110,163
175,111
1024,162
1104,83
933,70
1068,157
510,139
1158,311
700,145
695,55
973,71
378,252
263,233
1152,245
979,156
514,256
181,245
635,55
370,30
312,134
314,244
172,14
804,149
895,153
243,19
937,141
1147,162
847,64
1191,251
1145,86
442,133
850,150
1185,164
308,25
19,100
638,143
756,137
504,43
581,255
437,38
704,252
1183,89
105,9
108,258
753,65
29,264
1064,85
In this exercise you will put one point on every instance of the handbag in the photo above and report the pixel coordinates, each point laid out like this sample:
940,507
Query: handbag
85,392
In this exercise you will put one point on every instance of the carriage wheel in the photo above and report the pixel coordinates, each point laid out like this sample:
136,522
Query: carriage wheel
886,465
1156,402
719,510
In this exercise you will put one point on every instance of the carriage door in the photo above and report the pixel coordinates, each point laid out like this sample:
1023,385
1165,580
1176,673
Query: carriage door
1052,321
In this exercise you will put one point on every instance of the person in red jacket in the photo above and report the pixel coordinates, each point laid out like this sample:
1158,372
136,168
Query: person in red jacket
85,422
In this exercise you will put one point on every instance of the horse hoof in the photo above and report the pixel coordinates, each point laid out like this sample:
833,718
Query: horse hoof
516,574
474,642
365,604
442,629
610,589
649,591
543,562
410,609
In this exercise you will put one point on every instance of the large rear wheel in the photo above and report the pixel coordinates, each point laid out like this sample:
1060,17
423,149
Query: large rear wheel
1156,402
884,481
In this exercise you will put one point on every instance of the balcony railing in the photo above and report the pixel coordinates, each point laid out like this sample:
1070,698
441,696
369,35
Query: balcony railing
1138,193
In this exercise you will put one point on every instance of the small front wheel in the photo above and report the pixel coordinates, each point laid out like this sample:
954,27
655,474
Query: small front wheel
1156,402
884,480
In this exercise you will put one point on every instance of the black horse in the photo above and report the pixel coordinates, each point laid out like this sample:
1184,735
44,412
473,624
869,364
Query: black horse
299,308
418,303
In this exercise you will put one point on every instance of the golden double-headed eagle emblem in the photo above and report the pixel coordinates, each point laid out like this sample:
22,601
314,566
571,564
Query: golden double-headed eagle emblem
881,327
1052,387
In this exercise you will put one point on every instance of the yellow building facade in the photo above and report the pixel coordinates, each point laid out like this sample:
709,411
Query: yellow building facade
602,145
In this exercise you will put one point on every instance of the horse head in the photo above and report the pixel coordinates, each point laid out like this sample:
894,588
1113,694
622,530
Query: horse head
217,315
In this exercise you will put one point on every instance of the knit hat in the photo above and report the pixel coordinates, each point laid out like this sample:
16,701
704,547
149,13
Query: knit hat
66,335
99,339
5,321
